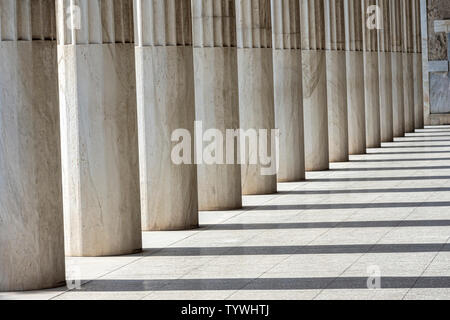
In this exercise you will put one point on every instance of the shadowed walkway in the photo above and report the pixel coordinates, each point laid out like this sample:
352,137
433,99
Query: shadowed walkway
385,214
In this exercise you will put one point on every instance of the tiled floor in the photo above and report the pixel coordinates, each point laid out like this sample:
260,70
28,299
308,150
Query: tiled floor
386,213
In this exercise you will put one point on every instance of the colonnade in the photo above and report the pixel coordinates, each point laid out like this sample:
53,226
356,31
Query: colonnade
84,178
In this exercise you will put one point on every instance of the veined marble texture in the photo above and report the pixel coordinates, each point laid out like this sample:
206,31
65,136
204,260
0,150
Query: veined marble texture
315,110
418,91
289,113
217,107
100,149
31,212
165,91
408,85
256,111
372,99
439,92
356,103
337,106
398,106
386,110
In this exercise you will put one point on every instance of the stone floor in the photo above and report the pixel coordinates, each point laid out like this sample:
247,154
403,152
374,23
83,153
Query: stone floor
386,212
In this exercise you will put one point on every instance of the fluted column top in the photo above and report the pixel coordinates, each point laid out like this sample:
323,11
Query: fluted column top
407,36
312,19
353,25
396,25
334,25
286,24
27,20
254,27
214,23
417,32
385,44
370,35
94,21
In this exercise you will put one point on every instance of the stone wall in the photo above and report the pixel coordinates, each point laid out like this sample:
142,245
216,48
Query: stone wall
437,42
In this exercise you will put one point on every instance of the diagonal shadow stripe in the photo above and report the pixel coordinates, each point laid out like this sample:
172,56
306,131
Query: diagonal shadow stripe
380,179
357,191
338,206
328,225
290,250
405,152
425,146
403,160
262,284
393,168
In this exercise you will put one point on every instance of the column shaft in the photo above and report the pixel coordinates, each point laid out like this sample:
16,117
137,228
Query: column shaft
98,127
314,85
355,77
417,67
371,81
288,89
256,89
336,80
397,70
166,105
216,99
408,67
31,218
385,70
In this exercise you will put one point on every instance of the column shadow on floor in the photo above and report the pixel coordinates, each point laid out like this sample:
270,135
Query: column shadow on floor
405,152
402,160
297,250
407,140
358,191
263,284
337,206
327,225
379,179
392,168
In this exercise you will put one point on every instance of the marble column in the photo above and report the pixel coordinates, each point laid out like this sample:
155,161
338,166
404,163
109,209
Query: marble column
397,70
408,69
417,67
31,214
98,127
312,19
216,98
256,89
336,80
287,60
166,112
385,69
371,80
355,77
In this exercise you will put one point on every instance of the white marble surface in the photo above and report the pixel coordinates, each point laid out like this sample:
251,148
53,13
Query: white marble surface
289,113
356,103
315,240
165,96
418,91
256,111
100,149
386,109
398,106
217,106
315,110
337,105
31,218
216,98
408,88
372,99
